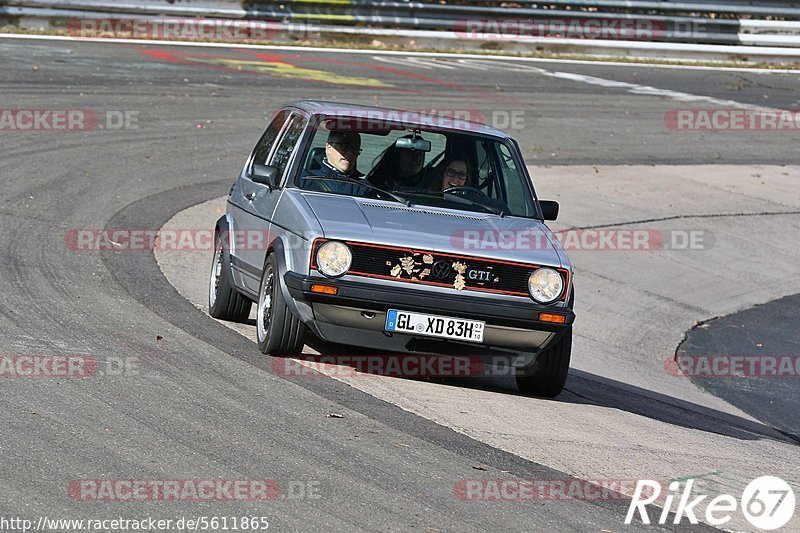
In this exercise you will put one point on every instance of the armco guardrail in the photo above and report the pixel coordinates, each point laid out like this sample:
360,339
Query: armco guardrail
726,22
207,8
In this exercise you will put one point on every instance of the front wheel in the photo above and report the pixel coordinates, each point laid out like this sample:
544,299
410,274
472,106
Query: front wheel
552,366
279,332
224,301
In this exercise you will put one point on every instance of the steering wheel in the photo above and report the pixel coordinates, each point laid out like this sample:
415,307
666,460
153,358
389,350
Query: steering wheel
464,188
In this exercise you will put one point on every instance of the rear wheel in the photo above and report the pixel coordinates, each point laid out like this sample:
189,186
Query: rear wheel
224,301
279,332
551,369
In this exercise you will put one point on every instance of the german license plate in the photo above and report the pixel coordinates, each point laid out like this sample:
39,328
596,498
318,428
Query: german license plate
434,326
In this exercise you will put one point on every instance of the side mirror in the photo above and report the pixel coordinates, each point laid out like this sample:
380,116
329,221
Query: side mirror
265,174
549,209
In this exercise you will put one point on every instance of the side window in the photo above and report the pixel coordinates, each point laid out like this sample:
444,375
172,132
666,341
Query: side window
286,146
514,185
483,162
438,144
487,171
264,146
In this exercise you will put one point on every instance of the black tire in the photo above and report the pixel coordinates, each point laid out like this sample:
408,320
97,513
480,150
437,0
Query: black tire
550,369
224,301
278,331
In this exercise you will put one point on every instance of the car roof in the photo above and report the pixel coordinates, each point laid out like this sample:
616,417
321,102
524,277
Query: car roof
424,119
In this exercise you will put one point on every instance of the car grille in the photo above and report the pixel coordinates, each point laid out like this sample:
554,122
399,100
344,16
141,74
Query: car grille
459,272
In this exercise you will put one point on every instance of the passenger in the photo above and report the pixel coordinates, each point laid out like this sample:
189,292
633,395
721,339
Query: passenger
398,167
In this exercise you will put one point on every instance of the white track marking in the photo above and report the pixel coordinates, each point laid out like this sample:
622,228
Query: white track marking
644,90
416,62
467,63
436,63
402,61
463,63
493,63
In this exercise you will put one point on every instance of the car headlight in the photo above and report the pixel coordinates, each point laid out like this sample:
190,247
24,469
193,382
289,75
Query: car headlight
334,258
545,285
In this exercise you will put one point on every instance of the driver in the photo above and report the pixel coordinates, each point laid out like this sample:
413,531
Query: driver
341,158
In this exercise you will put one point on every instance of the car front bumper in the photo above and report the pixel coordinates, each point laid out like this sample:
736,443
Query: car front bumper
358,311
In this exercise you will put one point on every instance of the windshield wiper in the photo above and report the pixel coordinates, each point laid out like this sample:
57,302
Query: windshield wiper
456,198
461,200
400,199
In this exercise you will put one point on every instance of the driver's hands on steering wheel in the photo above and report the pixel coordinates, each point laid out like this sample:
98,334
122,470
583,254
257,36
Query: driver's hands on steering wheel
463,188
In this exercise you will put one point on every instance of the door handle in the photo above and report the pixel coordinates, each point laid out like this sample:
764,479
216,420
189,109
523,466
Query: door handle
250,196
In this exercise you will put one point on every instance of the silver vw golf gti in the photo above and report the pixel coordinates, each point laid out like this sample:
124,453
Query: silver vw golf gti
399,232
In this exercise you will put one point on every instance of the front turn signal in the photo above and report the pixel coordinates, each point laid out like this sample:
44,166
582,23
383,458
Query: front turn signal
550,317
325,289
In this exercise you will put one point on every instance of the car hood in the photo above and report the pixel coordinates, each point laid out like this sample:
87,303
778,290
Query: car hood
427,228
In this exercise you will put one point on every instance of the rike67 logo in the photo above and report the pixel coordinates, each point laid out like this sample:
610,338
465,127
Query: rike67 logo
767,503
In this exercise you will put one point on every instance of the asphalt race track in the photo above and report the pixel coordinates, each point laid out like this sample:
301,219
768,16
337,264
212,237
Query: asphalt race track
767,329
177,395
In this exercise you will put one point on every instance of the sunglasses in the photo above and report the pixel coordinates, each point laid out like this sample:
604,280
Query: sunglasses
347,147
452,173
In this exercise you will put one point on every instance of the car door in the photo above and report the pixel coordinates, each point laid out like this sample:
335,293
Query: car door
253,204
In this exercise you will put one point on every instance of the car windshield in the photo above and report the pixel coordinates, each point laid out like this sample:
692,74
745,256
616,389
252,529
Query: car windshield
456,170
